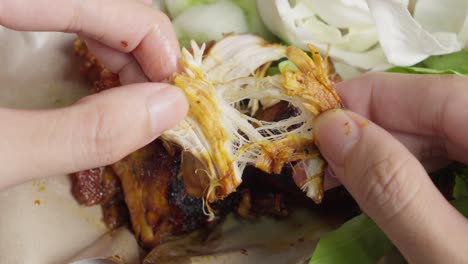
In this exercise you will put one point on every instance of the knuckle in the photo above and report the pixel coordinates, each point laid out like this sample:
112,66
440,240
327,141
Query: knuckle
74,23
386,183
161,17
101,141
108,130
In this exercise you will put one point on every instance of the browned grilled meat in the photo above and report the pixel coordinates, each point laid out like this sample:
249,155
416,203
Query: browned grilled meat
95,186
144,187
157,202
101,186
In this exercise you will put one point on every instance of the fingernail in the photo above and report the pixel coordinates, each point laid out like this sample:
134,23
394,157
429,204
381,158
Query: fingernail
167,107
337,133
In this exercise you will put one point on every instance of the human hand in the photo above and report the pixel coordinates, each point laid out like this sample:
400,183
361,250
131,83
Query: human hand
418,122
132,40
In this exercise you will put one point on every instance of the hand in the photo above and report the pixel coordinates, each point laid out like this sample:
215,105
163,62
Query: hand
132,40
418,122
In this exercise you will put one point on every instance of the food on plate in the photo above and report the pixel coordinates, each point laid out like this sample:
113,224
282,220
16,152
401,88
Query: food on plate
251,119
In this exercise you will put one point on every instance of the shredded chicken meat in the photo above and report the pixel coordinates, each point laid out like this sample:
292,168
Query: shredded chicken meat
241,120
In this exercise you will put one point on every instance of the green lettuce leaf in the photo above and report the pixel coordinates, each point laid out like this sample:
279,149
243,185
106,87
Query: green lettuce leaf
419,70
289,64
460,190
461,187
456,62
359,240
273,71
461,204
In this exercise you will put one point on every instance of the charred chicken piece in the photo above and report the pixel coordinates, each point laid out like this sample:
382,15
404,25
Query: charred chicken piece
150,194
101,186
95,186
162,190
159,206
223,140
147,177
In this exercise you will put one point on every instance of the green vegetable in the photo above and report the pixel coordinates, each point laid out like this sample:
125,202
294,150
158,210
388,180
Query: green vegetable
460,190
289,64
359,240
461,187
461,204
419,70
457,62
273,71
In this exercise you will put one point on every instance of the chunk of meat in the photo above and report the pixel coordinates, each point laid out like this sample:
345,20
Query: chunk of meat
101,186
145,186
158,208
95,186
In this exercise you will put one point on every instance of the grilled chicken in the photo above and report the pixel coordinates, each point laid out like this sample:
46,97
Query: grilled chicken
166,192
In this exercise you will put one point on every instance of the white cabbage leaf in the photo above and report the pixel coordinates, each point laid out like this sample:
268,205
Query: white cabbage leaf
344,29
204,23
207,20
176,7
404,40
370,34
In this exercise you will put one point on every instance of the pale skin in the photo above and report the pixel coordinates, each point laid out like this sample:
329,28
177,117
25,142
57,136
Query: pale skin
418,123
132,40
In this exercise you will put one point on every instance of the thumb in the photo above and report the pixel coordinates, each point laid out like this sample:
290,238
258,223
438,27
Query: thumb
391,186
98,130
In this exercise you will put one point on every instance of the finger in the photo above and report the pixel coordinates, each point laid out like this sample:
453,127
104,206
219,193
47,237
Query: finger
98,130
330,180
392,187
123,64
124,25
415,104
423,148
429,150
300,176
